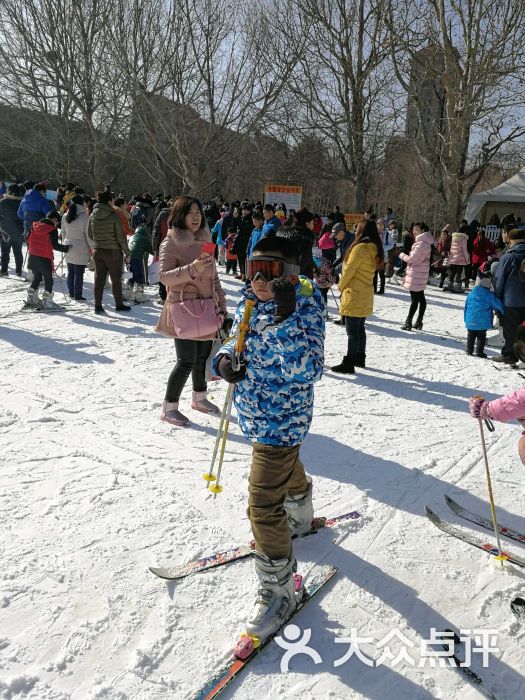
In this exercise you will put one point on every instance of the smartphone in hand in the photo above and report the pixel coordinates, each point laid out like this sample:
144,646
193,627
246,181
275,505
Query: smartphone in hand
208,247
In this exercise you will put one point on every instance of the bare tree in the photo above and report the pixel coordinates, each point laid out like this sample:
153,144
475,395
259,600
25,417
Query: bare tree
474,59
203,78
53,55
341,80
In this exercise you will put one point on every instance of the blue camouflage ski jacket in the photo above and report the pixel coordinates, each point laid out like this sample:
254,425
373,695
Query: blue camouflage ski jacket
275,399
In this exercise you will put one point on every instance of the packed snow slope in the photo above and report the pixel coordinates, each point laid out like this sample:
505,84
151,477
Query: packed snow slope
95,489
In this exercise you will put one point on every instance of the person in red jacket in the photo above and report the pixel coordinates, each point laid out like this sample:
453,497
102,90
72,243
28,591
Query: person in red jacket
42,240
481,251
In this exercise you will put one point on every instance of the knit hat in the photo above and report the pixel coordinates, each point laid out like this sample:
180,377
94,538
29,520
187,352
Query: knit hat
447,228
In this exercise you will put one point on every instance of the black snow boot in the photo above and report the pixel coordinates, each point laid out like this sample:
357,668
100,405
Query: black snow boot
418,325
407,326
346,366
360,360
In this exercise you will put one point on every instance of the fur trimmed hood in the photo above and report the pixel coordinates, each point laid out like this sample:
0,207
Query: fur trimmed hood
183,237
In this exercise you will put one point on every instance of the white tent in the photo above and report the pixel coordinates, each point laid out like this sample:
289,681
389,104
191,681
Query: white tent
507,198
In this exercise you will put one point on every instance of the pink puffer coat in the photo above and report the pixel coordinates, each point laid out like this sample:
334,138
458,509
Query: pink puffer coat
509,407
177,252
418,262
459,254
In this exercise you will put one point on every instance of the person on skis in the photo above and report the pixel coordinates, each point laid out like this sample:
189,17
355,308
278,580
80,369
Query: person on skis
42,240
282,359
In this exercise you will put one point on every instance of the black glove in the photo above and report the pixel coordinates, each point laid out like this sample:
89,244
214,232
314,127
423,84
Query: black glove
228,373
284,298
227,325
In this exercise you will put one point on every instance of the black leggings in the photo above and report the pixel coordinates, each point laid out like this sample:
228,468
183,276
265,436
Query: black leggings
41,268
191,359
418,299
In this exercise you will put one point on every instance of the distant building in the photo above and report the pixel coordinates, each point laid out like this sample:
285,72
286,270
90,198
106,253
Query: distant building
425,117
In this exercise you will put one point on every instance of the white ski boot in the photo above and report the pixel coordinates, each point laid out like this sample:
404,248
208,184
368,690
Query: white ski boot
138,293
300,511
127,291
33,301
277,597
48,304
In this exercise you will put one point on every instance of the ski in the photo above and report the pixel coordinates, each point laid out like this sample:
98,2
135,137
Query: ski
505,365
480,520
180,571
234,665
518,608
469,538
452,646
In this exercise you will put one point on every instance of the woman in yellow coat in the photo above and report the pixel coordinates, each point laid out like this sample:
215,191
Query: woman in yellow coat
364,257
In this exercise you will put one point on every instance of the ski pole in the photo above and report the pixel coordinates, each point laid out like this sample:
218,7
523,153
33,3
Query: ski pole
59,279
335,299
501,556
216,487
209,476
224,423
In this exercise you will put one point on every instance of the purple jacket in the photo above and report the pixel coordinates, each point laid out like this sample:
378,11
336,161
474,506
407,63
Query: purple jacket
509,407
418,262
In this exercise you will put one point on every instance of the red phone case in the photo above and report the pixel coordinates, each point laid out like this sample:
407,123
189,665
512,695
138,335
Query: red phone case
208,247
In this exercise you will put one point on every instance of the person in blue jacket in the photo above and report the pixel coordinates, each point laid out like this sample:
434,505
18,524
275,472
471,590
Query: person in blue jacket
274,393
479,307
511,290
34,206
257,233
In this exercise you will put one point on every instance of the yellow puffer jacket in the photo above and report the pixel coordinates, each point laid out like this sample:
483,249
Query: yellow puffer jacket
356,281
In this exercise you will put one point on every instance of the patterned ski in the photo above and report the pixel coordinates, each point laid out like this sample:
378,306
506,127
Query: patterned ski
480,520
231,669
465,671
469,538
174,573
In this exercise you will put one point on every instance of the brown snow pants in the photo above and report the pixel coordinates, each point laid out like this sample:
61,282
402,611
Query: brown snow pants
276,472
108,260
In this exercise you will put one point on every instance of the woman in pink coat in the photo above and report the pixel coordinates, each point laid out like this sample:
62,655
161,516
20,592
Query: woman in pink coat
505,409
185,270
458,259
416,277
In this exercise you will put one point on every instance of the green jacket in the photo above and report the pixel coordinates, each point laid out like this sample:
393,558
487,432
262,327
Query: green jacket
140,243
105,229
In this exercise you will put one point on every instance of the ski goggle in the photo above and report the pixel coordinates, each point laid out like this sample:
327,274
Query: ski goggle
269,268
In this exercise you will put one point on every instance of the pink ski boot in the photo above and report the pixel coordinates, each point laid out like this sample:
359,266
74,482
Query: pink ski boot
171,414
200,403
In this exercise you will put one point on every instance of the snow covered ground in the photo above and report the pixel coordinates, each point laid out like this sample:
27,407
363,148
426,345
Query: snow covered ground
95,489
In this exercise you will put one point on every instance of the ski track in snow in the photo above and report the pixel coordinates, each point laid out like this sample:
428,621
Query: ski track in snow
96,489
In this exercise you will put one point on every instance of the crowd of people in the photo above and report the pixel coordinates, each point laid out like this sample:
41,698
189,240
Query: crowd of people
287,261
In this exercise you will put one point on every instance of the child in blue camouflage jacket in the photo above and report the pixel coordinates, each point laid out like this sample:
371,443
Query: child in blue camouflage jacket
282,359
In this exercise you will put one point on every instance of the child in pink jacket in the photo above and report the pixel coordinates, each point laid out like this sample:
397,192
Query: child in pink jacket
509,407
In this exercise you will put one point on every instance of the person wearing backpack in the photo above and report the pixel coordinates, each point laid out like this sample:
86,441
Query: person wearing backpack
510,288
